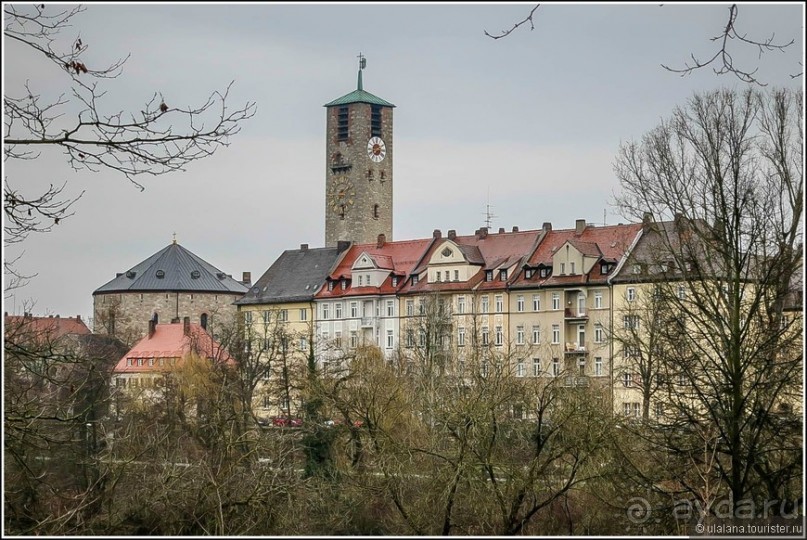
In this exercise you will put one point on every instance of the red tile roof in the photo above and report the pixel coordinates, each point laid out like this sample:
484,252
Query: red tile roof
397,257
608,242
45,327
169,341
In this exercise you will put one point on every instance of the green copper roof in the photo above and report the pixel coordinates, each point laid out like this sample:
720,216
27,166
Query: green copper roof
359,96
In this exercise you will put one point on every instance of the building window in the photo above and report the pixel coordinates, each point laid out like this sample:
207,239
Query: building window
555,301
555,334
337,339
330,285
460,304
361,279
438,276
410,338
325,311
598,366
389,339
415,279
637,268
342,123
659,410
456,275
631,294
597,299
485,335
129,362
528,273
627,380
581,366
520,334
571,268
202,320
394,281
422,338
489,275
562,269
421,307
303,314
520,302
637,410
544,272
520,369
266,316
302,343
499,336
499,303
627,409
631,351
485,304
375,120
536,334
536,302
682,292
536,367
338,310
410,307
283,315
461,336
248,317
354,339
390,308
555,367
502,275
682,380
599,334
631,322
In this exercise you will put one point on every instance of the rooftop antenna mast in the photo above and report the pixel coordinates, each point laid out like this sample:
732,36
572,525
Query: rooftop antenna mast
488,214
362,65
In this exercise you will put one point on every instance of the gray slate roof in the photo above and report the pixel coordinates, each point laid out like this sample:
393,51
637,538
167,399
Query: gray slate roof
295,276
180,269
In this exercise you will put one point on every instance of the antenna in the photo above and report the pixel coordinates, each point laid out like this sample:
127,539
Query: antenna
488,214
362,61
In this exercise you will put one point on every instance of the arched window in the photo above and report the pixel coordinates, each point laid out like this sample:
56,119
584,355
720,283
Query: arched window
203,320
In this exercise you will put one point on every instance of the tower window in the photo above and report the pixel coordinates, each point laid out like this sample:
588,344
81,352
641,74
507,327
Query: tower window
342,124
375,120
375,211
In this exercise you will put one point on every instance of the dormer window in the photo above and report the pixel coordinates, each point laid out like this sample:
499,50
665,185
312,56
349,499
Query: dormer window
544,272
528,273
394,281
330,285
446,252
344,284
605,268
414,279
637,268
489,275
503,275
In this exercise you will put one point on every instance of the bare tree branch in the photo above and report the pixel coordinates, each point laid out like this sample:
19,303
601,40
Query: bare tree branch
723,57
508,32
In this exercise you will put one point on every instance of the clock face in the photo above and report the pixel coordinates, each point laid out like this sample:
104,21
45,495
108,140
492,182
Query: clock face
376,149
341,196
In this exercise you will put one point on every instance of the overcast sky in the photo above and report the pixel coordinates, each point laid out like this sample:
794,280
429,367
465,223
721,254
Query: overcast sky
529,124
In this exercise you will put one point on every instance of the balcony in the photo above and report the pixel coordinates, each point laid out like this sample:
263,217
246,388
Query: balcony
574,349
368,322
575,314
575,381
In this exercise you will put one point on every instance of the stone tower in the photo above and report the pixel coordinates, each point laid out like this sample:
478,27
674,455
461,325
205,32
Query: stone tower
358,168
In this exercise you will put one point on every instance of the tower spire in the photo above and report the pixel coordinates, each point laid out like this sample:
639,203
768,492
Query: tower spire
362,65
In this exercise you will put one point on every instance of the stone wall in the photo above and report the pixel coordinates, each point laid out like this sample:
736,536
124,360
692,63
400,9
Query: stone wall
126,315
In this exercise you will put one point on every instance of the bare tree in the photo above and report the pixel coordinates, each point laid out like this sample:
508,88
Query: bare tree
158,138
726,173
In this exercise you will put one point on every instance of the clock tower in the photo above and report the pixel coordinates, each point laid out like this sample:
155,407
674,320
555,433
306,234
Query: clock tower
358,167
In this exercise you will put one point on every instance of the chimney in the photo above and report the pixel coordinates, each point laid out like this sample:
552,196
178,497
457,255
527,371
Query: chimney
382,239
303,247
78,317
57,315
579,227
483,232
547,226
187,326
246,278
437,233
342,245
452,234
152,327
501,230
515,229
